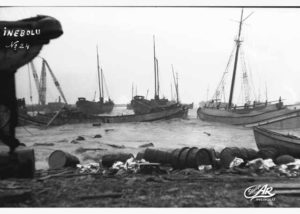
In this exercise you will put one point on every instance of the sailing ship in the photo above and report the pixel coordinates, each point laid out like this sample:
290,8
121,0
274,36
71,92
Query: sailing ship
92,107
141,105
249,114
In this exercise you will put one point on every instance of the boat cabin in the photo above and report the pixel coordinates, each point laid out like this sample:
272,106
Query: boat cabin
81,99
138,97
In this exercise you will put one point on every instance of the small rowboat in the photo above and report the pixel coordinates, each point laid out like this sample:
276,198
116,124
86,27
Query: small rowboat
283,143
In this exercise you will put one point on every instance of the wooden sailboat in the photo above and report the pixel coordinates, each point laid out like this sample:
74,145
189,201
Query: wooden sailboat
100,107
249,114
140,105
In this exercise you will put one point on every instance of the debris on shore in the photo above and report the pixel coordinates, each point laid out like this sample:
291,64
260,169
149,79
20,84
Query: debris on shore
184,177
80,138
231,159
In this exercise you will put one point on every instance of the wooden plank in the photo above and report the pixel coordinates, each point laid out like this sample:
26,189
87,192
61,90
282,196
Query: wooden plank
285,185
288,192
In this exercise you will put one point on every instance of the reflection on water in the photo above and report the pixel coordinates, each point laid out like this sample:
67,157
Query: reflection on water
167,134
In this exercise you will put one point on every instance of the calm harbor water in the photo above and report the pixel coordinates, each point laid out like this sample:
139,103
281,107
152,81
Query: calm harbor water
166,134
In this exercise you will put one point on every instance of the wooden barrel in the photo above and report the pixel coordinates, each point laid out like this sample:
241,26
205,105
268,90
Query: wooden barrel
183,158
284,159
20,164
243,153
109,159
157,156
228,154
60,159
175,157
192,158
268,152
252,154
205,157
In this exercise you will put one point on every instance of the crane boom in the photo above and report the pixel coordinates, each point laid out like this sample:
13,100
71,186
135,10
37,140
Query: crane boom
55,81
43,86
36,79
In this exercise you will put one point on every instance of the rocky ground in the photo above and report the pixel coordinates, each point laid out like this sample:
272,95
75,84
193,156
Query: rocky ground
180,188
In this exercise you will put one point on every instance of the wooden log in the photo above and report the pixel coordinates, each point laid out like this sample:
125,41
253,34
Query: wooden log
60,159
20,164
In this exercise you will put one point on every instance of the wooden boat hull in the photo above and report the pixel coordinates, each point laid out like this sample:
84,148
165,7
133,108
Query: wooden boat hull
288,121
179,112
78,117
140,105
249,119
284,144
49,108
63,118
92,108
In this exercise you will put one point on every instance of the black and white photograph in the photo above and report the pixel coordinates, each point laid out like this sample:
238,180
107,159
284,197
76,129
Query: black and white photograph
149,104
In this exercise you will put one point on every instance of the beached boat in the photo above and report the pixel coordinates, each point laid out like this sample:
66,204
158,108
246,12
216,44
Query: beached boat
92,107
62,117
251,112
290,120
283,143
168,113
67,116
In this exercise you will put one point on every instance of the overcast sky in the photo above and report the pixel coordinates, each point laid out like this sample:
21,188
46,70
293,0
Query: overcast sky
197,41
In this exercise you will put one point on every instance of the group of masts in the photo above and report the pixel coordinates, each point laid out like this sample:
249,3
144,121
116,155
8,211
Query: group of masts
156,77
41,85
238,42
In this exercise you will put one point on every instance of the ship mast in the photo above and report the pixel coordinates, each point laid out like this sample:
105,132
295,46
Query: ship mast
176,84
132,91
238,43
98,71
156,78
102,98
43,85
30,87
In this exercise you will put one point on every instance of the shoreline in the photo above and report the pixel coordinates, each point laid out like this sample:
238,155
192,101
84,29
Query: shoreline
179,188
